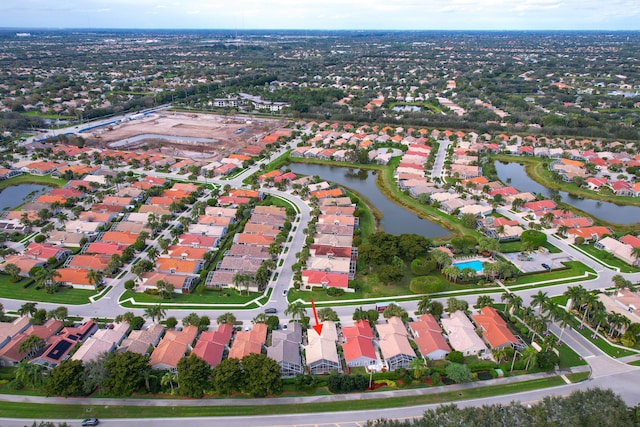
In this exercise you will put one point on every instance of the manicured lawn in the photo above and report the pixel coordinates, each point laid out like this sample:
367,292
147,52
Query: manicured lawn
515,246
569,358
574,268
228,296
577,377
33,179
27,410
601,343
65,296
607,258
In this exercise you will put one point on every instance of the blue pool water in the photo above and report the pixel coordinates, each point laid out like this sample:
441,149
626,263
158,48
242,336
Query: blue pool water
475,264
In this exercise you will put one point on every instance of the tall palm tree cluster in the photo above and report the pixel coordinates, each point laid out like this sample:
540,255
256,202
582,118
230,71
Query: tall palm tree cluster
593,312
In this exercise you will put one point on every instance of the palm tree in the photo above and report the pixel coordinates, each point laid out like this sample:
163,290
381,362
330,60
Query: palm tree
152,253
484,301
539,299
168,378
94,277
423,304
30,374
529,354
27,309
598,318
361,314
155,312
588,303
563,318
635,252
33,342
508,297
46,277
296,310
562,230
226,318
575,294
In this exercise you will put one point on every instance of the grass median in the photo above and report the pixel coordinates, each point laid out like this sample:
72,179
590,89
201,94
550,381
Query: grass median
53,411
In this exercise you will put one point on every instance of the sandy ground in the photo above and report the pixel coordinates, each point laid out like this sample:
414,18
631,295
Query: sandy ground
229,132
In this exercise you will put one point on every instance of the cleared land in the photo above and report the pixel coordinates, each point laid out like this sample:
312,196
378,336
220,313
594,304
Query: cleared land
181,133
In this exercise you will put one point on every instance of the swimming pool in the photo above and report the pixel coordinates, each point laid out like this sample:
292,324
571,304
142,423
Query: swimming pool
476,264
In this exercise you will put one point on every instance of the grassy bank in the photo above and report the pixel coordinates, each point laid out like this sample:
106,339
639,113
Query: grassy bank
52,411
25,290
33,179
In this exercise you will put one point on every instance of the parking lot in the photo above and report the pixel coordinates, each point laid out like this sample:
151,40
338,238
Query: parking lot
532,262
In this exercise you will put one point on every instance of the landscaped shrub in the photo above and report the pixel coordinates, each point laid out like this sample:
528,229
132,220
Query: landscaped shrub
422,267
425,285
335,292
481,366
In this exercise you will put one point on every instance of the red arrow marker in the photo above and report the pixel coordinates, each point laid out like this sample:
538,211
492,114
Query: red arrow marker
317,326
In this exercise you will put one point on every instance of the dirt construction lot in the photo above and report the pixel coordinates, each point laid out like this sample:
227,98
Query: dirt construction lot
186,134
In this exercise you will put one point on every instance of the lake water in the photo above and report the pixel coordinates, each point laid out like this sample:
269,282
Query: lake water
396,220
610,212
14,196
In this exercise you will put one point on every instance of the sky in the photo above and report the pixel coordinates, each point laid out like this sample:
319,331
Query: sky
324,14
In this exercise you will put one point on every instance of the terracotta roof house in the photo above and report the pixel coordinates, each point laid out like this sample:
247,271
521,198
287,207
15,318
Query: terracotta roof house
325,279
76,277
65,238
462,335
181,282
102,341
631,240
495,330
9,353
211,345
321,351
186,252
590,233
285,350
178,266
629,300
541,205
10,329
394,344
59,346
198,241
253,239
89,262
221,212
619,249
45,251
24,263
172,348
358,349
107,248
248,342
251,251
123,238
140,341
427,335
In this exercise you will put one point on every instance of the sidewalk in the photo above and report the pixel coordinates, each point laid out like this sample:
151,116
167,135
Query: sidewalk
283,400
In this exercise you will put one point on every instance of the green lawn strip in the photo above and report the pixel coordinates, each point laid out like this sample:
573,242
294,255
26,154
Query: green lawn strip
578,376
222,297
102,293
33,179
600,342
569,358
635,363
65,295
369,217
606,259
574,268
27,410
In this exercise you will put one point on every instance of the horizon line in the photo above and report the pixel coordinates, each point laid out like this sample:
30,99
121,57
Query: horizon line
597,30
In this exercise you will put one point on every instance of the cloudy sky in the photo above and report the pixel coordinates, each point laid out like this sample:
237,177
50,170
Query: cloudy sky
325,14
